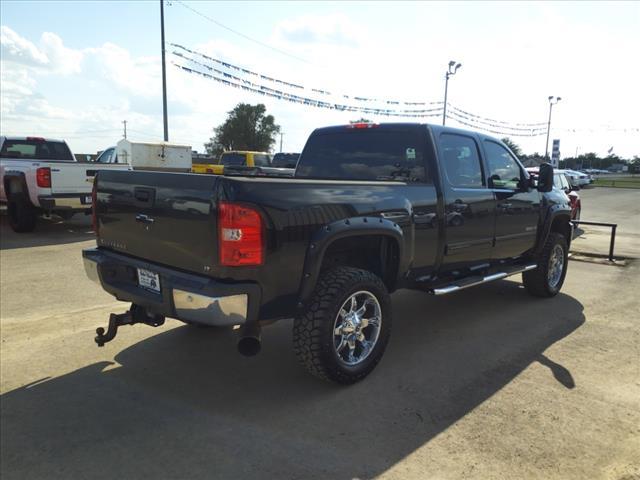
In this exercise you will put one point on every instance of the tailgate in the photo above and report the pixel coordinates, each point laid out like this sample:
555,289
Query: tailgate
70,178
165,218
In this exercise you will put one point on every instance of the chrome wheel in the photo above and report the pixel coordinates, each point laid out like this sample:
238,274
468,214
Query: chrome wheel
357,327
556,266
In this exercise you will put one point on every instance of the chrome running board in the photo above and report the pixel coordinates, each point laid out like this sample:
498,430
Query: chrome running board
477,280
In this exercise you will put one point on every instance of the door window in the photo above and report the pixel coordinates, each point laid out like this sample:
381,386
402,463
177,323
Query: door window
461,161
261,160
504,171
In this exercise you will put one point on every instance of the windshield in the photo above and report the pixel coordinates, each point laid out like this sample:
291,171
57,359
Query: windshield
233,159
371,154
36,150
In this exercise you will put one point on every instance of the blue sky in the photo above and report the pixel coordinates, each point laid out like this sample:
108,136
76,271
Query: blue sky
77,69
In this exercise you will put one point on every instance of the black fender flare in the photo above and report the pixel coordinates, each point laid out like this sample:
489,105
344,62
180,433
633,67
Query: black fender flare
553,212
19,177
350,227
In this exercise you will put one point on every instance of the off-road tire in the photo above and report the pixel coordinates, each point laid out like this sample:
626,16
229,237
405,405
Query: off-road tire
536,281
22,215
313,335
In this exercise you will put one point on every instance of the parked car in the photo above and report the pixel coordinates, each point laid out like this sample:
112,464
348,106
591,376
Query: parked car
237,158
578,179
41,176
561,182
371,209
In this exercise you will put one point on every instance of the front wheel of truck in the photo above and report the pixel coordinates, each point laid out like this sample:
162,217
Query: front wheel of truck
345,328
546,280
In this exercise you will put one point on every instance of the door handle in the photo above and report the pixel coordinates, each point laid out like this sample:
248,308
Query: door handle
394,215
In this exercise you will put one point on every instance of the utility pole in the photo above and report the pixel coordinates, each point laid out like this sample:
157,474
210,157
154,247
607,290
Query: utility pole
124,122
281,134
552,101
453,68
164,75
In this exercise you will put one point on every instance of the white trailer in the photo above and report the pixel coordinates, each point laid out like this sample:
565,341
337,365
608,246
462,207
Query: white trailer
158,156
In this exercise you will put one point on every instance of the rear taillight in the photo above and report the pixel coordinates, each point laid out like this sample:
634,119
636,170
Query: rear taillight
94,205
43,177
239,235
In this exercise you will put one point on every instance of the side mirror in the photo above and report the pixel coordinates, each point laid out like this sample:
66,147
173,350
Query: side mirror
545,178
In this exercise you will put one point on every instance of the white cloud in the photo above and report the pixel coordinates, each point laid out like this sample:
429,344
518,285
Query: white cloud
62,59
51,55
20,49
139,76
333,29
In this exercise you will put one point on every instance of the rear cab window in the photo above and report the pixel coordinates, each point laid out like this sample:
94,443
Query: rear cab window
38,149
233,159
382,154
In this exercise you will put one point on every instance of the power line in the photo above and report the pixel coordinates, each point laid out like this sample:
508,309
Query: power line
246,37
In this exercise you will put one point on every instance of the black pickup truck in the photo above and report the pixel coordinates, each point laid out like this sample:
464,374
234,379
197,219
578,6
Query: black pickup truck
371,209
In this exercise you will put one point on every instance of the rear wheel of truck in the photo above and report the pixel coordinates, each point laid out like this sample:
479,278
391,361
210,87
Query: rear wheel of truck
546,280
344,331
22,215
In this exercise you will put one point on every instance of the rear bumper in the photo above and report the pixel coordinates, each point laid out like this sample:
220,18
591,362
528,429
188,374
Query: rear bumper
188,297
65,202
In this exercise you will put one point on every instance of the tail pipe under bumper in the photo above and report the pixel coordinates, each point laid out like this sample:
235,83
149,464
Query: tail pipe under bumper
250,342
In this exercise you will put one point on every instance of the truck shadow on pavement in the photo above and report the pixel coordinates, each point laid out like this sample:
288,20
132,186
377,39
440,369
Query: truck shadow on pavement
47,232
183,404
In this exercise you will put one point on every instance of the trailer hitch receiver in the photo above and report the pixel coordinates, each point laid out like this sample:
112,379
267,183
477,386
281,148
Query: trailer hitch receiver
136,314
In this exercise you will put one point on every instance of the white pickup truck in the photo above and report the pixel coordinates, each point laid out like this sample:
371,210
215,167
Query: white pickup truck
42,176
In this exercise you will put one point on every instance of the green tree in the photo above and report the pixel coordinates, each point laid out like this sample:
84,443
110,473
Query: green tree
513,146
246,128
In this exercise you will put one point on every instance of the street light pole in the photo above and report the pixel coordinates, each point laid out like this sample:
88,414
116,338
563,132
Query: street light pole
453,68
164,76
552,101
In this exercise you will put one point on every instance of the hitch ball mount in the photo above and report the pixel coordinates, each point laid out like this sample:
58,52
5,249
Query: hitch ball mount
136,314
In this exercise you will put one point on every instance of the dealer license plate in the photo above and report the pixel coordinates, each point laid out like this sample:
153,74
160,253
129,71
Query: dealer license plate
149,280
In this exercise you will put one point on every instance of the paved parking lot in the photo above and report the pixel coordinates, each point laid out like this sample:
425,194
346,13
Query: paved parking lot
486,383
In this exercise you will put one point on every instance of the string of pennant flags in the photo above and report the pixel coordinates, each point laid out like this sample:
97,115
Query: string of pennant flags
194,62
192,53
455,113
297,98
266,91
272,93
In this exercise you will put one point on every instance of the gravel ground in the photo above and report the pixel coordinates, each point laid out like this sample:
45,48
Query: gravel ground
486,383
